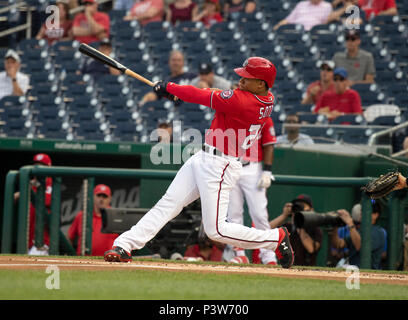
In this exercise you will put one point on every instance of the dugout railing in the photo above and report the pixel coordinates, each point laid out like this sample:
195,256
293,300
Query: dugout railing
20,181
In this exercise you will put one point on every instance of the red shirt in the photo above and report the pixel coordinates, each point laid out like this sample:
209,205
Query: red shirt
319,93
374,7
101,242
55,34
267,136
184,14
194,251
208,21
101,18
239,115
348,102
31,233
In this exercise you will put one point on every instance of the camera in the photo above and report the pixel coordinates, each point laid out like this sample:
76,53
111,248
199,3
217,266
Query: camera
297,206
310,219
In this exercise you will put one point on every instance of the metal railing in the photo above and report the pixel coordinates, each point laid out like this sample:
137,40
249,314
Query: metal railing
23,176
374,136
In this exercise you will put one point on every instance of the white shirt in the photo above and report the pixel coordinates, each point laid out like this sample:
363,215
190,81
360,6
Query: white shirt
309,14
303,139
6,84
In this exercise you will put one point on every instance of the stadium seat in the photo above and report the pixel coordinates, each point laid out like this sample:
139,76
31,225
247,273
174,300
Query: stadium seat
319,134
387,121
349,119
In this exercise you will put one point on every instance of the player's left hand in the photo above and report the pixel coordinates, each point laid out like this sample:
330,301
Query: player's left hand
265,180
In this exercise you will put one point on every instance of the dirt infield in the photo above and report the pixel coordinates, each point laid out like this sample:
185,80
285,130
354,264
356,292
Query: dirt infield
72,263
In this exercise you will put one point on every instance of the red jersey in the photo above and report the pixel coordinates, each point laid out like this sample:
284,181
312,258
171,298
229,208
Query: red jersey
239,116
348,102
80,20
101,242
31,233
266,137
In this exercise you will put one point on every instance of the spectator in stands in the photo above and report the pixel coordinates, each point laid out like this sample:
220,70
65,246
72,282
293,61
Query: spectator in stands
96,68
352,240
208,79
326,83
146,11
91,25
305,242
123,5
205,249
308,13
233,8
40,159
12,81
342,10
211,13
58,31
341,101
358,62
293,136
101,242
177,75
165,132
374,8
73,4
182,10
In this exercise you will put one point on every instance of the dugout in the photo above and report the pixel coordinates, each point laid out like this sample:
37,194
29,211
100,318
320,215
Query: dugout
143,193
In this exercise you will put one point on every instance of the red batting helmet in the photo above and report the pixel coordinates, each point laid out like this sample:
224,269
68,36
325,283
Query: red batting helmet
258,68
43,159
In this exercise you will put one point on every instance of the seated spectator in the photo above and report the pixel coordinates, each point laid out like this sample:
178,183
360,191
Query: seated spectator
211,13
233,8
326,83
293,136
101,242
146,11
208,79
343,12
123,4
91,25
352,240
96,68
12,81
374,8
206,249
57,31
341,101
305,242
182,10
177,75
358,62
308,13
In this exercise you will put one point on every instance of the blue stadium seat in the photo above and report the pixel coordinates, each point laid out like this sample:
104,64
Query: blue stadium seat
387,120
51,130
349,119
319,134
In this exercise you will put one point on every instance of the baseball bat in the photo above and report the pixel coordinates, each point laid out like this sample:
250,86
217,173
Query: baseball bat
97,55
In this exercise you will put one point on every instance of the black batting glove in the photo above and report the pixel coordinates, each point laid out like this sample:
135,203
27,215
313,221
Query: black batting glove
160,90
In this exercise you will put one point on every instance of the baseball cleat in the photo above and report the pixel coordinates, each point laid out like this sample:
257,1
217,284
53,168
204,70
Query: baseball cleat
284,250
117,254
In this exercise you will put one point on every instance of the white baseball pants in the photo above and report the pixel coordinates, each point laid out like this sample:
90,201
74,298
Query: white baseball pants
211,178
246,189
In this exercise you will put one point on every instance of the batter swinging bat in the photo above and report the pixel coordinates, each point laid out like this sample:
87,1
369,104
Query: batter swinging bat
97,55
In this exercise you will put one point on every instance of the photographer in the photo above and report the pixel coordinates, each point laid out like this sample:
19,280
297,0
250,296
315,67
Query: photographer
352,241
305,241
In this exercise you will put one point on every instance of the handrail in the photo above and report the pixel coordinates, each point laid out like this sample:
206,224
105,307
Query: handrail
27,26
374,136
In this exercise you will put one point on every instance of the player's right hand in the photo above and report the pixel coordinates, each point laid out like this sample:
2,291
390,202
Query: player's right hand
160,88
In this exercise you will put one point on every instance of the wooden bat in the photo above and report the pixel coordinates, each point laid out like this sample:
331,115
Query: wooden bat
97,55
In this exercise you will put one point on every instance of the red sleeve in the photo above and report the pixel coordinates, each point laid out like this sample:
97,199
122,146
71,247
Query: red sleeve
356,103
268,133
103,20
77,20
48,192
190,93
73,230
319,103
390,4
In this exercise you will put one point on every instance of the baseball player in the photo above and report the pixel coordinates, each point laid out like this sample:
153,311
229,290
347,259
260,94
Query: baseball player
211,173
255,178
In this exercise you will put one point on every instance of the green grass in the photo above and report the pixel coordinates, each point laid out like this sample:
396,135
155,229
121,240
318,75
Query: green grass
163,285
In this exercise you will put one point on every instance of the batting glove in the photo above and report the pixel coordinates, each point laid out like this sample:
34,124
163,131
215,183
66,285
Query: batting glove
265,180
160,89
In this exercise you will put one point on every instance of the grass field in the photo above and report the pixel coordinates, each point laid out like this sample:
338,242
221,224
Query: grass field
164,285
